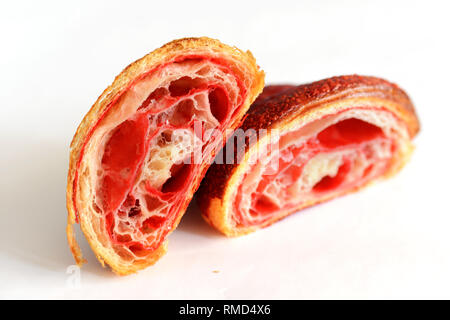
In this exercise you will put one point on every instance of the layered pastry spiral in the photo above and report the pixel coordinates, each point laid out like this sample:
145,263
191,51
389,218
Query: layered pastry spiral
301,145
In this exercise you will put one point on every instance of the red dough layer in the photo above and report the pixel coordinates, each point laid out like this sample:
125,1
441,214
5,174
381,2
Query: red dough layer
126,150
346,134
123,156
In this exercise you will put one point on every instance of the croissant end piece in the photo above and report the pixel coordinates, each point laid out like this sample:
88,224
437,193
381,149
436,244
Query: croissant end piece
301,145
132,168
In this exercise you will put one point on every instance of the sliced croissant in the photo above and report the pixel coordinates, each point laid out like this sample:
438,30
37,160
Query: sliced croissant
132,168
301,145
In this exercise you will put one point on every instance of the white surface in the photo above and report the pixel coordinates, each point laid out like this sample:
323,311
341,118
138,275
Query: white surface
390,241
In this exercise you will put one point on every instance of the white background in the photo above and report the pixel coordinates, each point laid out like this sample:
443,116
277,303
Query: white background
389,241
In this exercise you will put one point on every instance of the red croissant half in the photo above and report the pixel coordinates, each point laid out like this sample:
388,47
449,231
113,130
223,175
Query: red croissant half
301,145
132,172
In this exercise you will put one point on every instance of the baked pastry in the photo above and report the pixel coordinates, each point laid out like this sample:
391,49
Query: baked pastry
301,145
140,152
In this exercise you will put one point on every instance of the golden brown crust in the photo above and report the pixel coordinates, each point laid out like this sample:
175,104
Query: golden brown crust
293,103
238,61
299,100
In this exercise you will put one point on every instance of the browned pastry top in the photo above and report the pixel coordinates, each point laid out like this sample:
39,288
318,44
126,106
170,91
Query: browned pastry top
297,100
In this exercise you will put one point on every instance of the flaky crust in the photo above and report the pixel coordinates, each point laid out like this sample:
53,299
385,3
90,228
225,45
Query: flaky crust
301,104
238,61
